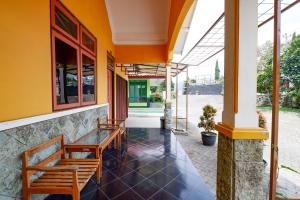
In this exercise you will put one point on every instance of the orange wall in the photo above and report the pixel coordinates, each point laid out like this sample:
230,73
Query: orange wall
133,54
25,70
25,53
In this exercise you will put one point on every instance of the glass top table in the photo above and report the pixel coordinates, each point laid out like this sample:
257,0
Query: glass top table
99,136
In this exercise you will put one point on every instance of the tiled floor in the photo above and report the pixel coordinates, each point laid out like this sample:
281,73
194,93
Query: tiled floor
151,165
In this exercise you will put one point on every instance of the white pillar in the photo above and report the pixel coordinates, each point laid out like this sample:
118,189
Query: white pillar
240,64
168,103
168,83
240,146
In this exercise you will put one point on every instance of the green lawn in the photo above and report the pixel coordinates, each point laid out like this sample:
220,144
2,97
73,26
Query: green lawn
145,110
283,109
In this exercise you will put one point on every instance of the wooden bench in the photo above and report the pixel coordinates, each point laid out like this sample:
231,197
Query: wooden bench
67,176
113,123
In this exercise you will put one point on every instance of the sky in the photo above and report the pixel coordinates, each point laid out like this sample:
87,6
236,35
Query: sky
206,13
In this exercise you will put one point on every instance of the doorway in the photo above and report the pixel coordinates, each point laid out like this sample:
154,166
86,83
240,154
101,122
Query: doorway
110,84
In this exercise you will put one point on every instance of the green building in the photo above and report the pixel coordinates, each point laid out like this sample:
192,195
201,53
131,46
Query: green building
139,92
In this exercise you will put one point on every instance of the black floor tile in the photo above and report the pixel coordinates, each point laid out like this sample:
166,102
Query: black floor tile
107,177
159,164
95,195
135,164
114,188
151,164
171,170
147,170
160,179
133,178
200,195
178,189
146,189
120,171
163,195
129,195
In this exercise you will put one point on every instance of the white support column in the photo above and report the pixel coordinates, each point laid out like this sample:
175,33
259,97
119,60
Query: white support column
168,103
240,63
240,146
168,83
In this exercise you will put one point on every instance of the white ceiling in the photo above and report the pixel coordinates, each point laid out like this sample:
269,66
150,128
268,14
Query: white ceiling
139,21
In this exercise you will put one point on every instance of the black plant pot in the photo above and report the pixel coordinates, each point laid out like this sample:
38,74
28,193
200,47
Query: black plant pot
208,138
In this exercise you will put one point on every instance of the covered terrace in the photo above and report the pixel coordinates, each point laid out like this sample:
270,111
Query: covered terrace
67,70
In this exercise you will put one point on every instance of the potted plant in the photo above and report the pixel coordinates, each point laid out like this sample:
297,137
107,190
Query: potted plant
262,123
207,121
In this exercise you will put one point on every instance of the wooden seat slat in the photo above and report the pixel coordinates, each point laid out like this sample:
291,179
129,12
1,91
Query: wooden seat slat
79,163
50,184
68,180
68,176
63,177
80,160
51,190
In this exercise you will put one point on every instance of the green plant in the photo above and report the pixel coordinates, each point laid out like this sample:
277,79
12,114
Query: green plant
261,119
207,120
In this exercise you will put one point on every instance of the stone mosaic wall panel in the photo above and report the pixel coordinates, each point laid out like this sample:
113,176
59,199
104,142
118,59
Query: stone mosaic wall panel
15,141
240,169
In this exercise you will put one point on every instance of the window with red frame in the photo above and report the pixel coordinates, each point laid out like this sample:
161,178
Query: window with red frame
73,59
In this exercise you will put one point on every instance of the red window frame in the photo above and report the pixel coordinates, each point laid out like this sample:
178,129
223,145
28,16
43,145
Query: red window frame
57,4
83,52
59,33
85,31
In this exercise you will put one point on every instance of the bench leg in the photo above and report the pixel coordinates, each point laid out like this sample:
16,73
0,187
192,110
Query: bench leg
26,195
76,195
99,170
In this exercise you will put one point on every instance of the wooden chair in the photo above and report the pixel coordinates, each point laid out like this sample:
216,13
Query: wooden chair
67,176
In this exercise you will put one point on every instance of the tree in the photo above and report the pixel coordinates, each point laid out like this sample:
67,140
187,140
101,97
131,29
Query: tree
265,80
217,71
162,86
265,55
290,62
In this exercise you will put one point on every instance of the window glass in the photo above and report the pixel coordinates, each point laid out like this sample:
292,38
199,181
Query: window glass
88,79
88,42
65,23
66,73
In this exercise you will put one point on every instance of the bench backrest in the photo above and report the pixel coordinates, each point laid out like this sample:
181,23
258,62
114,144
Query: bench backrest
59,153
